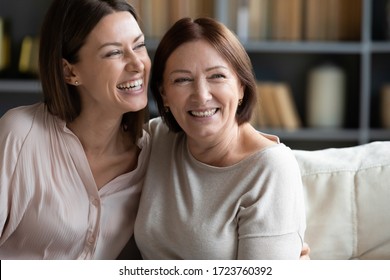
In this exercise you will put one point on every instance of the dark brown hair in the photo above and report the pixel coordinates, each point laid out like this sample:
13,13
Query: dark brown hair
64,31
228,46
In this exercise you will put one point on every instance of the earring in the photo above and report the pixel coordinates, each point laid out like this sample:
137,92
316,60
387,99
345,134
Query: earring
76,83
166,109
239,102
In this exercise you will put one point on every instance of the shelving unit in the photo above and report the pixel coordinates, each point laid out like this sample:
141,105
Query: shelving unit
365,61
24,18
367,65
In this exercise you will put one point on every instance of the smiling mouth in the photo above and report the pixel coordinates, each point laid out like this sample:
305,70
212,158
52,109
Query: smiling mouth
203,114
134,85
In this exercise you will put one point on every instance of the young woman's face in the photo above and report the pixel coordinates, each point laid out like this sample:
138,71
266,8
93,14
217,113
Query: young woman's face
202,90
114,66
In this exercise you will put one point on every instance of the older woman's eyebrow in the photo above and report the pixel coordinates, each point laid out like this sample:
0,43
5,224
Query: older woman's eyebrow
179,71
216,67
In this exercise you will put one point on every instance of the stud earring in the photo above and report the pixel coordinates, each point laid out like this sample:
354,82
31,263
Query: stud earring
239,102
166,109
76,83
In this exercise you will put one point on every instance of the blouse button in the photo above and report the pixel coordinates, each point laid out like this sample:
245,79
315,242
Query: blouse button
95,202
91,239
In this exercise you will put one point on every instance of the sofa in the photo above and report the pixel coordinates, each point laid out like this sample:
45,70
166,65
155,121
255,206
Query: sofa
347,197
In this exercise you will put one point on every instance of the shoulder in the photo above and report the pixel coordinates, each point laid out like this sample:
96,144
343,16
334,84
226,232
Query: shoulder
279,153
159,132
156,125
15,127
280,159
17,122
164,143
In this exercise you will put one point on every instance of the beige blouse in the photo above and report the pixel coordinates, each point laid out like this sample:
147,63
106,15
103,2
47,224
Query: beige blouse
50,206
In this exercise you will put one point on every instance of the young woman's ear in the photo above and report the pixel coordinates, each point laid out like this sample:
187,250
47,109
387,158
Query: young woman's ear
69,75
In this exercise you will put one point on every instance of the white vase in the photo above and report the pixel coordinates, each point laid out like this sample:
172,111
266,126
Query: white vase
326,97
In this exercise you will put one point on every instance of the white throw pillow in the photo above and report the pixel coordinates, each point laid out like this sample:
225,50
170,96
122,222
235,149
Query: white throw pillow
347,196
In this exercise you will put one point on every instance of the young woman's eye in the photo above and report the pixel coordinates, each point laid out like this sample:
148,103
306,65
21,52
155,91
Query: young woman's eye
114,53
140,46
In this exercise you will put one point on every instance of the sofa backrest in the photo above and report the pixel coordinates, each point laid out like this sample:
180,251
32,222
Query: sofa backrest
347,196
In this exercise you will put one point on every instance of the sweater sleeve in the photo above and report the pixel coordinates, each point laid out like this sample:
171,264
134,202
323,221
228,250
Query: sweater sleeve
271,220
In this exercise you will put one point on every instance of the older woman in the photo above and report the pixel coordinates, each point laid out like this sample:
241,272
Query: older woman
215,187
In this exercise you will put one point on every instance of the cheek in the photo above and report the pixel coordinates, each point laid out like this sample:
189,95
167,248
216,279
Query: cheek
171,96
148,64
175,101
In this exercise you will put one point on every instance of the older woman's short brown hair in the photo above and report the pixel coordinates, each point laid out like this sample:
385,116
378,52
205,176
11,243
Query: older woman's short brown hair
228,46
64,31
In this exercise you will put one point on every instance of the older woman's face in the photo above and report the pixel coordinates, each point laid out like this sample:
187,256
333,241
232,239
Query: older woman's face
202,91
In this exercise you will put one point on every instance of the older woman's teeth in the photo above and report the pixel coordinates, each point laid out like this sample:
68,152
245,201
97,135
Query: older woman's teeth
131,85
203,114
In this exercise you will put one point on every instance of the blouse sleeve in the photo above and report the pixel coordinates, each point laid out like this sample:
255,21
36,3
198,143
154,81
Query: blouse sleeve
14,128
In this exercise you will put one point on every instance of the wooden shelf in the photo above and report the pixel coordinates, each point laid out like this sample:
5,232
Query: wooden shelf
304,47
20,86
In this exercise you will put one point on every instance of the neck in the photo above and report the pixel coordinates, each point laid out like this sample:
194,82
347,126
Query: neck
222,151
100,136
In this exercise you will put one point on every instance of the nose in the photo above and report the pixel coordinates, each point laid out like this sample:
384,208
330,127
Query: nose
201,92
134,62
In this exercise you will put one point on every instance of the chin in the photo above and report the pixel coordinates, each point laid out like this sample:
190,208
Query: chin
137,106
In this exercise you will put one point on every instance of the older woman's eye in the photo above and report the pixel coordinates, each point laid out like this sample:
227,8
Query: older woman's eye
217,76
182,80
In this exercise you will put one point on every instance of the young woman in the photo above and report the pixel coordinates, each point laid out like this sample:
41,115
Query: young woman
72,168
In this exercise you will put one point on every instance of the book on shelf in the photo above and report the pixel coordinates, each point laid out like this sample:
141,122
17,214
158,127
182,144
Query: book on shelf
5,47
189,8
276,107
29,52
251,19
258,20
158,15
268,105
385,106
242,25
332,20
286,20
285,106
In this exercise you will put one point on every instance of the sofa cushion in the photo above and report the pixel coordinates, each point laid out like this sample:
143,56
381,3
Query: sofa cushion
347,196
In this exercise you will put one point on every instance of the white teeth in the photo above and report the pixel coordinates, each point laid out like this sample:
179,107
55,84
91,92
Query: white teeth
131,85
203,114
